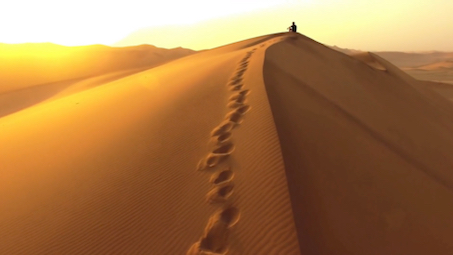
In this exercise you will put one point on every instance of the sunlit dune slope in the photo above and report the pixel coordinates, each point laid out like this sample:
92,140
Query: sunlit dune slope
33,73
24,65
181,158
367,152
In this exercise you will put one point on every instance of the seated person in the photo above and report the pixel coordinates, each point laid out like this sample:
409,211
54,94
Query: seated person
293,28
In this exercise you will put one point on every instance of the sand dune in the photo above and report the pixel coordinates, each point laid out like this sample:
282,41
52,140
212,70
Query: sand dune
30,64
429,66
366,153
272,145
413,59
33,73
435,66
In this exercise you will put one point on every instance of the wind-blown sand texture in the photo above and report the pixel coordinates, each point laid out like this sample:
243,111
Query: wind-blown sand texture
272,145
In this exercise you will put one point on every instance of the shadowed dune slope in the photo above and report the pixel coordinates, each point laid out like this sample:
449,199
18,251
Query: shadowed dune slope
367,152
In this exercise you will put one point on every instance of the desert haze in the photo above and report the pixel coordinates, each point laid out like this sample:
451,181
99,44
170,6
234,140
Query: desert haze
271,145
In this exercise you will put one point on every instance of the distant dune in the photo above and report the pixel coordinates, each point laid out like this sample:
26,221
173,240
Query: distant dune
32,73
24,65
430,66
405,59
272,145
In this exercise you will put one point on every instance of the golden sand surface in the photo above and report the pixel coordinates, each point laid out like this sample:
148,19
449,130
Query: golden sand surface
272,145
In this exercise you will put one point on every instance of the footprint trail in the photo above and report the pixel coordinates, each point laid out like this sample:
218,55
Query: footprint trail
215,239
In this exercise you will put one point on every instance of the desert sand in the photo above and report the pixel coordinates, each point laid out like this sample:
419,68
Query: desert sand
429,66
272,145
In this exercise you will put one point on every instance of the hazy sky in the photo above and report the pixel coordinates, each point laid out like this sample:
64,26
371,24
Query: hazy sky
404,25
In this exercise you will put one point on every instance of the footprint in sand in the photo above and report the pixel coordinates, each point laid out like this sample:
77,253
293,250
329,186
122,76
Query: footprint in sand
229,215
220,193
235,78
240,68
209,162
214,240
234,117
244,92
236,101
223,138
237,87
224,149
216,234
243,109
199,249
221,177
240,73
234,104
223,128
235,82
216,156
240,98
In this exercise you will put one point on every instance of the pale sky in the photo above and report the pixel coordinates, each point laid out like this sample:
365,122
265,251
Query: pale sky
373,25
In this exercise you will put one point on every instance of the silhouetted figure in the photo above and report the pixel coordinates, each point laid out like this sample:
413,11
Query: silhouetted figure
293,28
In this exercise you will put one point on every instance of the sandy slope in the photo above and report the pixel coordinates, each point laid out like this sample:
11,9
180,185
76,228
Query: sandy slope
113,169
273,145
366,151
